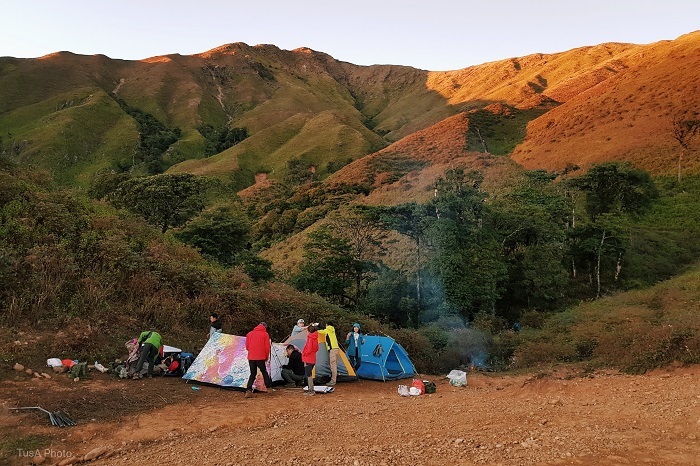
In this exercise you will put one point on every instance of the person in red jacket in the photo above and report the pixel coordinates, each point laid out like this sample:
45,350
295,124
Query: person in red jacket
257,342
308,355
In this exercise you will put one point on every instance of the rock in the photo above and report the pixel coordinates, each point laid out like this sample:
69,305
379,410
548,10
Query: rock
18,367
45,375
94,453
77,379
459,441
36,374
29,371
68,461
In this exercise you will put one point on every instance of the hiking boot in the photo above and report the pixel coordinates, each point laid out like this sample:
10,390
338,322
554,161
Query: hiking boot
330,384
309,393
248,394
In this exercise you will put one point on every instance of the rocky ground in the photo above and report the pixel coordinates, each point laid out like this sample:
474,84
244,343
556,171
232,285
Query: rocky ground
553,417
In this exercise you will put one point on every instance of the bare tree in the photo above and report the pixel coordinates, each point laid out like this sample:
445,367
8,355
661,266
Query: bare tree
684,131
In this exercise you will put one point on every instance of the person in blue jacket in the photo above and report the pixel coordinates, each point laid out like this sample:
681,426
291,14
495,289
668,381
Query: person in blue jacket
353,343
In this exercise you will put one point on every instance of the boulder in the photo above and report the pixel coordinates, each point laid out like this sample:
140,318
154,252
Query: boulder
18,367
94,453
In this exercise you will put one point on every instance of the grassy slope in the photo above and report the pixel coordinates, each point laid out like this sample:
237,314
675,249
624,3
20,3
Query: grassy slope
626,117
636,330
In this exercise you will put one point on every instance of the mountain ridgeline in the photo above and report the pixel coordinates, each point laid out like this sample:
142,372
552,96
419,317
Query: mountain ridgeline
76,115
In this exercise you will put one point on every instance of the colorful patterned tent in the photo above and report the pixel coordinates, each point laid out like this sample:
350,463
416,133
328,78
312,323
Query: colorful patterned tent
224,361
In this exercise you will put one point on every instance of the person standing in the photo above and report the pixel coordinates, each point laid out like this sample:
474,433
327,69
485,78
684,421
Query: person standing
353,342
150,342
308,356
293,371
333,348
257,342
215,324
298,327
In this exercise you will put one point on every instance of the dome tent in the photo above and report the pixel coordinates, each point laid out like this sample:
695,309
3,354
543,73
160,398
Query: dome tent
384,359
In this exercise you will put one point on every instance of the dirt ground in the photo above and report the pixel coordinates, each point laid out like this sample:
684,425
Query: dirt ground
554,417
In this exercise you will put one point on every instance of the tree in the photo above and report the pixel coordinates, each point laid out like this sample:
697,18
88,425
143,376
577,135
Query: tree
684,131
410,220
465,256
531,220
614,192
327,267
220,234
616,188
340,258
361,228
164,200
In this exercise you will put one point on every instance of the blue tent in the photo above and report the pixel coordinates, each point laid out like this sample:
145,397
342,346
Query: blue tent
384,359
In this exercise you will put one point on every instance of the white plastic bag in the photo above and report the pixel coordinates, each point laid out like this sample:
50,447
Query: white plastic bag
53,362
457,378
414,391
403,390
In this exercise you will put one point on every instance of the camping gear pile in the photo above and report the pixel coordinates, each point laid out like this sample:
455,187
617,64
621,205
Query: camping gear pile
418,387
170,361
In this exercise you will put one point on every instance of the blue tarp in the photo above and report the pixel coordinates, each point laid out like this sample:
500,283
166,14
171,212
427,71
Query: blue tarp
384,359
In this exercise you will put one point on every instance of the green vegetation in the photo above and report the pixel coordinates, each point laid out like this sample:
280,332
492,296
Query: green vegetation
482,267
163,200
154,137
498,134
222,138
101,275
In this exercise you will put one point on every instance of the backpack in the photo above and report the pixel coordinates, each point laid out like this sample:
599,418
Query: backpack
429,386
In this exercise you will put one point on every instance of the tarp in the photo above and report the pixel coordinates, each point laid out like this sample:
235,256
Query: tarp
384,359
322,370
224,361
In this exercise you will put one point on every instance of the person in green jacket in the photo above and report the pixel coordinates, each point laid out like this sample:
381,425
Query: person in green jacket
150,342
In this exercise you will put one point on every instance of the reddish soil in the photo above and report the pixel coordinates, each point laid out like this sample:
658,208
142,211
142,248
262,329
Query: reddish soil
603,418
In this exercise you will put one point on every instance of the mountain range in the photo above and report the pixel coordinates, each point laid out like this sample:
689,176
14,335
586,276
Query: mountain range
384,125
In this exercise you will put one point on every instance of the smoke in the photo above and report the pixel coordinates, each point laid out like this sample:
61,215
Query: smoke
471,346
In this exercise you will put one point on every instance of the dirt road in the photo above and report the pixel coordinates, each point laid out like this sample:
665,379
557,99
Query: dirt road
604,418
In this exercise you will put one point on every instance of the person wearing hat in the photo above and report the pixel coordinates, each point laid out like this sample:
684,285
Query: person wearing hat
353,342
257,342
298,327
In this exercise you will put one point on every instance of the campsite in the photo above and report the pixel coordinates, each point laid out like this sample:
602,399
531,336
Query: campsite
563,415
249,251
